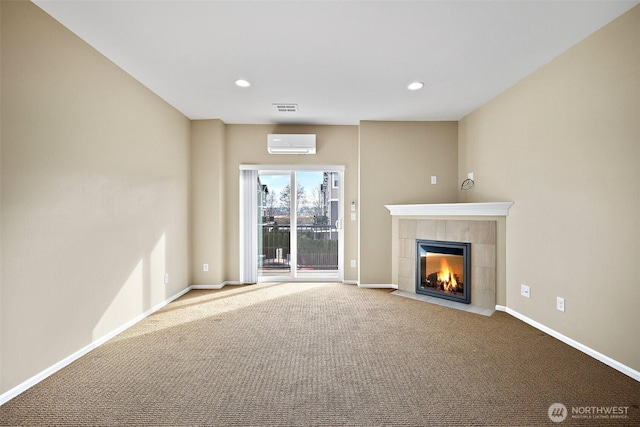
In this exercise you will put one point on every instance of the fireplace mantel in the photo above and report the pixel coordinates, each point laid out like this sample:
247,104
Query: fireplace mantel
452,209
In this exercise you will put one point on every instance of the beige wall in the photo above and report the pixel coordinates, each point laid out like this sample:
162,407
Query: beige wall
397,160
247,144
208,201
94,196
564,145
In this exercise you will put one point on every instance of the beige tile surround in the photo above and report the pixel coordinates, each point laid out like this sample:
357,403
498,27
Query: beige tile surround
482,236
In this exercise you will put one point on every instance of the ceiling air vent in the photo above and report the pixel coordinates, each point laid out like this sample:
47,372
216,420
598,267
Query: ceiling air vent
286,108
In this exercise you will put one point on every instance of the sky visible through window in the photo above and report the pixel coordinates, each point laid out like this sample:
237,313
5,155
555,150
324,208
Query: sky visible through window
306,179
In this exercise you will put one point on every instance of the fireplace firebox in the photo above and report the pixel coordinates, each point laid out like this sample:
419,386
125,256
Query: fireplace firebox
443,270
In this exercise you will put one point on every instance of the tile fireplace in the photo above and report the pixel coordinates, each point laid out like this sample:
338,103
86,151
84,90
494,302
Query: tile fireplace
483,225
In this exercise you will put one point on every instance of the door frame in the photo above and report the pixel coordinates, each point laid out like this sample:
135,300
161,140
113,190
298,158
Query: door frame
249,226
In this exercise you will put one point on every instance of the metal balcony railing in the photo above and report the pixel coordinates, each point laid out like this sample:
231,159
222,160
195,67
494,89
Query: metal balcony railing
317,247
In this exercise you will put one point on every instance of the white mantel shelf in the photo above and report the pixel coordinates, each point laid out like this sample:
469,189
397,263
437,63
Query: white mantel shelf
452,209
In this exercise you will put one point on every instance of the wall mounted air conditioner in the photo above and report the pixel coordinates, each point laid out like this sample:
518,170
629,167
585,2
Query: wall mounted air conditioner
291,143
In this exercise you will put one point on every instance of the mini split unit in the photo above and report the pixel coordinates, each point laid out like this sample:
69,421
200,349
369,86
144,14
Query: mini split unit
291,144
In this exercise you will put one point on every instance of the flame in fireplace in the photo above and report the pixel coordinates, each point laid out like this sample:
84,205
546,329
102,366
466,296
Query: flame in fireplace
446,277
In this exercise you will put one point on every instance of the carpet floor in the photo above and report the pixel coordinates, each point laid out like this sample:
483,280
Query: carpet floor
327,354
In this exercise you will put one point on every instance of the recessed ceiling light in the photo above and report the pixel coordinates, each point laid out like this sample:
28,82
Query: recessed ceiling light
415,86
242,83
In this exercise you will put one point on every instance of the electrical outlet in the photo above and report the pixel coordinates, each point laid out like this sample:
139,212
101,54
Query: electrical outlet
166,278
525,291
353,263
560,303
205,267
434,179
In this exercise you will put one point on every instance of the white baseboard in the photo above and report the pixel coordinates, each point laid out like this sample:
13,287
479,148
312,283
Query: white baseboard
573,343
377,286
350,282
220,286
10,394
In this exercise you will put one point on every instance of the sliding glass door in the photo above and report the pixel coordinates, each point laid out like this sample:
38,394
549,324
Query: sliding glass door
274,224
317,223
299,224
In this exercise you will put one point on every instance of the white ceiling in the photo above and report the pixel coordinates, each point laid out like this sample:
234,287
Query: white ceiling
340,61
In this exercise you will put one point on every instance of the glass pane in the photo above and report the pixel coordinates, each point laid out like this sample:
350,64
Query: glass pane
316,214
274,230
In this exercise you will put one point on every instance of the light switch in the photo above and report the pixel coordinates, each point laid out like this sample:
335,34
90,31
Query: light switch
434,179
